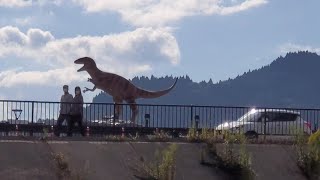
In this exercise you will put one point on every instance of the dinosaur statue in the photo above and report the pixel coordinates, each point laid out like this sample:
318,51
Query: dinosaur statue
117,86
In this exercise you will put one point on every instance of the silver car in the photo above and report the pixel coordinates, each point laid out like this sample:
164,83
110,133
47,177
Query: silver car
268,121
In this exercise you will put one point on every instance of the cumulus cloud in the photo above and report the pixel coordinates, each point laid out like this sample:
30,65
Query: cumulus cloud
49,78
37,37
162,12
15,3
128,53
292,47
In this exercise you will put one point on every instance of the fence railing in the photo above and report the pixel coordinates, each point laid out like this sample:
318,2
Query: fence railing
32,117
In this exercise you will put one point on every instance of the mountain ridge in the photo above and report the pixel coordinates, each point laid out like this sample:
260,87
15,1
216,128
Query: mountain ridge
289,81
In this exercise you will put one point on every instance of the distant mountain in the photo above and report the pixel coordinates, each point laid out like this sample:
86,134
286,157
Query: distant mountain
290,81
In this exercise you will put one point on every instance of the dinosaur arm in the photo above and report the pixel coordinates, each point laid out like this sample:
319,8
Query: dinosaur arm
87,89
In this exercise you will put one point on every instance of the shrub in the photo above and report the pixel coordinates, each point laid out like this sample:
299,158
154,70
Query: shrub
204,136
116,138
161,136
314,139
237,164
136,137
164,167
208,135
63,170
45,135
192,135
308,154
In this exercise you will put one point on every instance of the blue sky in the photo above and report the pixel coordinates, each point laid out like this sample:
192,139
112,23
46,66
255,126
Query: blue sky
218,39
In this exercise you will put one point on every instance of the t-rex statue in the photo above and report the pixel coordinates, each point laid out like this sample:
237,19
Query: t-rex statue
117,86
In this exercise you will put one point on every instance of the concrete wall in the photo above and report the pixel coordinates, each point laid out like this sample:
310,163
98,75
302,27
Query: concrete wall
111,160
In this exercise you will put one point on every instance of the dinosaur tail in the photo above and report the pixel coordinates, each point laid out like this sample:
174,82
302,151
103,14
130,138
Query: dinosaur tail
154,94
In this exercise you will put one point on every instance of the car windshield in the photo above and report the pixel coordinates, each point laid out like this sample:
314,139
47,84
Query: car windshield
248,116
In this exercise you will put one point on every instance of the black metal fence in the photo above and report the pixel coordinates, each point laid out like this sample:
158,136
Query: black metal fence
31,118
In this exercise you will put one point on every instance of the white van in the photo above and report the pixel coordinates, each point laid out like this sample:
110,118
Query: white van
267,121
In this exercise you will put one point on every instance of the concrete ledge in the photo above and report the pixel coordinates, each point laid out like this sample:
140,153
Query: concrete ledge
31,159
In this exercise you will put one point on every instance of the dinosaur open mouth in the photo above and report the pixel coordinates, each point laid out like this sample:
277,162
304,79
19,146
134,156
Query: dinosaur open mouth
79,62
81,69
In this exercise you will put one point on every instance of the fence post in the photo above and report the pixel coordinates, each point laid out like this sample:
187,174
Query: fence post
147,119
32,117
114,118
196,117
191,115
265,124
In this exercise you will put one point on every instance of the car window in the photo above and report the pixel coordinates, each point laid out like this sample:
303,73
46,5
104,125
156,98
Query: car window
257,117
282,117
262,117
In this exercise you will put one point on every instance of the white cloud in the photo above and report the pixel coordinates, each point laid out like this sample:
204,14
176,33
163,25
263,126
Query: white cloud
12,36
26,3
128,53
241,7
15,3
23,21
37,37
292,47
49,78
162,12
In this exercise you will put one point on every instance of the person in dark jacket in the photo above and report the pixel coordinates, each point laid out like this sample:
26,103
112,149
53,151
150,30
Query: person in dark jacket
76,112
65,107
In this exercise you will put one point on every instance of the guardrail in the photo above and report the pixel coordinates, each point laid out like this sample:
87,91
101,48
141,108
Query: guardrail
33,117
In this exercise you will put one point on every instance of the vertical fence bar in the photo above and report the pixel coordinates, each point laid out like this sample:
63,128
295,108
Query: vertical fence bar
316,121
114,118
191,115
32,116
265,124
8,112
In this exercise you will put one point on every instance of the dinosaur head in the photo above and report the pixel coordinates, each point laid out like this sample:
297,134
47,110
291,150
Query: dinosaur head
87,63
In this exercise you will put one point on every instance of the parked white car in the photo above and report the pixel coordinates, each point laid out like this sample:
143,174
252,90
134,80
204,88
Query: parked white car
267,121
108,121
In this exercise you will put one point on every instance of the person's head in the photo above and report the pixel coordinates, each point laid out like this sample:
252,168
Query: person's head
77,90
65,88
